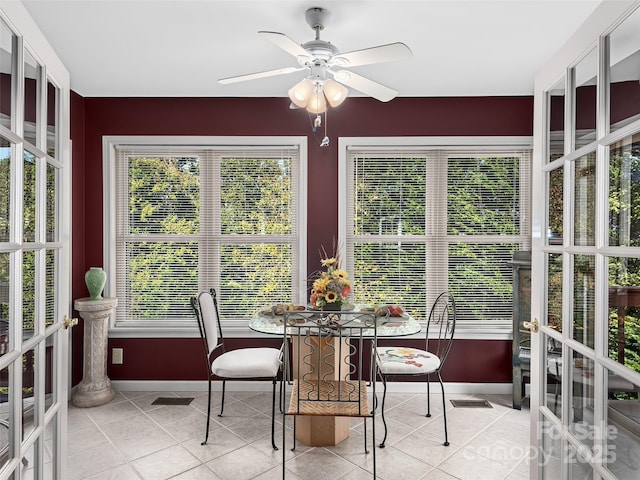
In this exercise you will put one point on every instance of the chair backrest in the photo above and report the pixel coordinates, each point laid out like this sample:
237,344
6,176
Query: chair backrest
205,306
329,360
441,326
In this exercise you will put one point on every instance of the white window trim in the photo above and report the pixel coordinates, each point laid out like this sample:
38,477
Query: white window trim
109,143
476,144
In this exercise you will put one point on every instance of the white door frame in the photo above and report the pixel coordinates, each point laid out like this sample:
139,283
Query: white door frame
590,35
27,458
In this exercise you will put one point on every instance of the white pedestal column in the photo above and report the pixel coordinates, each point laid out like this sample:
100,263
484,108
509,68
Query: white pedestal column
95,387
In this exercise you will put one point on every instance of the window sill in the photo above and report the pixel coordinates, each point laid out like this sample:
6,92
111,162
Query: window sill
243,331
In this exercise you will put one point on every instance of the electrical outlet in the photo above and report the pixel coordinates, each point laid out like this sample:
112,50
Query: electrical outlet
117,355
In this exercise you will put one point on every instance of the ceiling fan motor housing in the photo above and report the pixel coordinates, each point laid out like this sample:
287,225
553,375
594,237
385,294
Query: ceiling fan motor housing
316,17
320,49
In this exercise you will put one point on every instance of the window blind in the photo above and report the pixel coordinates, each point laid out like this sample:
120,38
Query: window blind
420,221
192,218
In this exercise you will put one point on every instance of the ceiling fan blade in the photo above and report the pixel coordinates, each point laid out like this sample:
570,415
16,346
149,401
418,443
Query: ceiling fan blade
285,43
368,56
364,85
254,76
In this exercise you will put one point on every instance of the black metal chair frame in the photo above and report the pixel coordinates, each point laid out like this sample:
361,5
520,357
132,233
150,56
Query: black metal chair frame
219,349
442,319
331,380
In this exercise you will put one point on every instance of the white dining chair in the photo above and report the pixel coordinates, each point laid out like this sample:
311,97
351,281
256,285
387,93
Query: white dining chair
254,363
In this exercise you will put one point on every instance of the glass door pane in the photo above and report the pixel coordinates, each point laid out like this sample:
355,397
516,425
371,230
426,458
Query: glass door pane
550,458
622,431
5,181
624,192
7,42
554,291
553,376
31,89
581,372
585,75
29,393
52,119
584,198
556,97
29,198
555,181
6,432
584,299
624,86
4,304
624,311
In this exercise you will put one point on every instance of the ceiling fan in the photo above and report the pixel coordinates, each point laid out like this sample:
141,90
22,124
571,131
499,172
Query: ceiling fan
327,76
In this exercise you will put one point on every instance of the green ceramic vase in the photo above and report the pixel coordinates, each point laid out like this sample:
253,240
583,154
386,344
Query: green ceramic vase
95,278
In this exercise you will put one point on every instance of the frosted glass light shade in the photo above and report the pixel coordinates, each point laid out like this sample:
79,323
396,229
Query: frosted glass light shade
301,93
335,92
317,103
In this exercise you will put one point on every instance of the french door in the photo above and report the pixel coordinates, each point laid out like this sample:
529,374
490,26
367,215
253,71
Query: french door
34,251
585,402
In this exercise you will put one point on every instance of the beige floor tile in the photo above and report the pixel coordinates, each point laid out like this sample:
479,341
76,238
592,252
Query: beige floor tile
320,464
198,473
276,474
165,463
468,465
392,464
242,464
171,413
216,446
93,461
86,439
112,411
140,444
123,472
164,442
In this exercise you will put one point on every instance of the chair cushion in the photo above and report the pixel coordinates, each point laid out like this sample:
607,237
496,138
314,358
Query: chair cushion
406,361
247,363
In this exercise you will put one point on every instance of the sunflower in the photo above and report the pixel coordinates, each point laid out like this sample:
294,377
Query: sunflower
327,262
320,284
340,273
330,297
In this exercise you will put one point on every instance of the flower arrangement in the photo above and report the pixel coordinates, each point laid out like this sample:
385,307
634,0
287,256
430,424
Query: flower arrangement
331,284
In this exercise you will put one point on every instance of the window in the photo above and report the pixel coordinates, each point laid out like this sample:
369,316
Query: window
190,214
424,218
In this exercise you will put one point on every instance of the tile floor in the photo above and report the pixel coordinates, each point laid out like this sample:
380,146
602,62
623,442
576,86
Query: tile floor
131,439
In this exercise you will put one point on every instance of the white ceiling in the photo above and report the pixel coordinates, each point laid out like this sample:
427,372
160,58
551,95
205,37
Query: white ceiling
182,47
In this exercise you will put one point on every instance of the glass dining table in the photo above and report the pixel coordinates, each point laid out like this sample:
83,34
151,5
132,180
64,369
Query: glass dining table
328,430
266,321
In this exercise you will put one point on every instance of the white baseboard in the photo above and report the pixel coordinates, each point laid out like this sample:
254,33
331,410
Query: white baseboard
240,386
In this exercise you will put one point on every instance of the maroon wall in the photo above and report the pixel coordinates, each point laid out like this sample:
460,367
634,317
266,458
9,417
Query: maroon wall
180,359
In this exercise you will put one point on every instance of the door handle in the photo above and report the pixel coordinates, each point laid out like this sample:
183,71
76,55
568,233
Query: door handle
532,326
69,322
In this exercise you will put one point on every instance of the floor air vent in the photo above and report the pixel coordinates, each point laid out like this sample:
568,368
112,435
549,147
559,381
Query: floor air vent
471,404
172,401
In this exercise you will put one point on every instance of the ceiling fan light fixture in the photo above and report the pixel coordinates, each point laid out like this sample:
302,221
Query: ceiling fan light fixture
335,92
301,93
